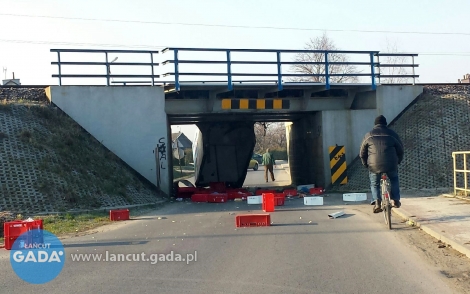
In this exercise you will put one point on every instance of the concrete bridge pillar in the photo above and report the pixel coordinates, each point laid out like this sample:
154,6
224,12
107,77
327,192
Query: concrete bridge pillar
305,150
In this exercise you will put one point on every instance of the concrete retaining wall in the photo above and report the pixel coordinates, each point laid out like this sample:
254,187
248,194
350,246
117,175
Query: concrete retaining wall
129,121
392,100
348,127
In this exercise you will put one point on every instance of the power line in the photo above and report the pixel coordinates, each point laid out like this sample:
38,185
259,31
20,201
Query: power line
162,47
235,26
448,54
78,44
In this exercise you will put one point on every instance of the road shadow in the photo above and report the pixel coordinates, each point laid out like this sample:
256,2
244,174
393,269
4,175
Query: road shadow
348,215
293,224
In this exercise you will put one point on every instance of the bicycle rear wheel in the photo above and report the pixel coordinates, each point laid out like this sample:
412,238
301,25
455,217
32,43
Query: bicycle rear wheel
389,215
387,209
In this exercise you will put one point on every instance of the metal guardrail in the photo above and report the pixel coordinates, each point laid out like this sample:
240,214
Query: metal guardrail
465,171
106,63
228,62
278,62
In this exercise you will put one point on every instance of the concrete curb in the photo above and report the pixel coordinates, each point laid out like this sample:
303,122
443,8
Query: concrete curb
430,231
102,209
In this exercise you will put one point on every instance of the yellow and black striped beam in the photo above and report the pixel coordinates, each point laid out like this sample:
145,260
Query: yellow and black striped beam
255,103
338,165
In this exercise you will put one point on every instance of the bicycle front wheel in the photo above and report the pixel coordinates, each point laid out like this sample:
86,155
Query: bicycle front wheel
389,215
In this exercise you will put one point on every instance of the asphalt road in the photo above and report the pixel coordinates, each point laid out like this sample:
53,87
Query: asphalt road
302,252
256,178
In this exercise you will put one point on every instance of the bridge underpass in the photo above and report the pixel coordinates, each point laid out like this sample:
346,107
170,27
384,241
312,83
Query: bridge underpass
135,122
318,118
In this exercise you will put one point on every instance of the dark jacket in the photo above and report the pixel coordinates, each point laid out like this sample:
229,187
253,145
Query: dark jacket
381,150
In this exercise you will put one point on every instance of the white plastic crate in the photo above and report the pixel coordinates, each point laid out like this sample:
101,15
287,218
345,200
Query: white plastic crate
254,199
355,197
313,200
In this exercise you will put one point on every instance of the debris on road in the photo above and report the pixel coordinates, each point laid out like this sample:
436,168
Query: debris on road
336,214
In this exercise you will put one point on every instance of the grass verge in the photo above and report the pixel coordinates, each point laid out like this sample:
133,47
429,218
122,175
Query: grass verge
67,224
70,223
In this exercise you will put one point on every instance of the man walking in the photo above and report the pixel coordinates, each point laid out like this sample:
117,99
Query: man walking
381,152
268,162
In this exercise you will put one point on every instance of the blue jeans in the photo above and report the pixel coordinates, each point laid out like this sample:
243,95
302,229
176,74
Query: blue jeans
375,185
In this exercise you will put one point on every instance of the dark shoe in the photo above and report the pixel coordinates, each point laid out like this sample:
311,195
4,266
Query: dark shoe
396,203
378,206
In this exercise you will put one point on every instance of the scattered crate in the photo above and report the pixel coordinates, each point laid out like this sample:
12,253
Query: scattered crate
254,199
186,192
268,202
317,191
218,187
232,195
313,200
262,191
119,214
279,201
200,198
290,192
253,220
14,229
217,198
355,197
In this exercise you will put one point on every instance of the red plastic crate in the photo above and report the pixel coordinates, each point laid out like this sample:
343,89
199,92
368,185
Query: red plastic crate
218,187
232,195
262,191
316,191
268,202
119,214
12,230
199,198
16,228
279,201
279,195
217,198
9,241
186,192
253,220
290,192
237,190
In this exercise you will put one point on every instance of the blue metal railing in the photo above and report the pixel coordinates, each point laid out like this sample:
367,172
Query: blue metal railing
326,64
324,76
108,64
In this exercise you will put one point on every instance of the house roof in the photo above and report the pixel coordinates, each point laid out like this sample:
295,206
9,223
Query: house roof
182,139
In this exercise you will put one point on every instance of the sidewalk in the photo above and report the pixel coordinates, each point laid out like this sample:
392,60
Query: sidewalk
442,216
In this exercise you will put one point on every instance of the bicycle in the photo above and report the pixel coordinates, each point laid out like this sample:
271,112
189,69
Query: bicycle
385,188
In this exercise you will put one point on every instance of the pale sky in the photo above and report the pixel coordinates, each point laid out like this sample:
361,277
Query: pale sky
437,30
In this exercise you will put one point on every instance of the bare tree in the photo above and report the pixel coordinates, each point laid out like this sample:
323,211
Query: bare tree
278,134
393,70
270,135
323,43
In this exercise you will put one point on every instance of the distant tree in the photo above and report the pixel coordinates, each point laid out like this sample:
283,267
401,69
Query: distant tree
393,48
270,135
323,43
